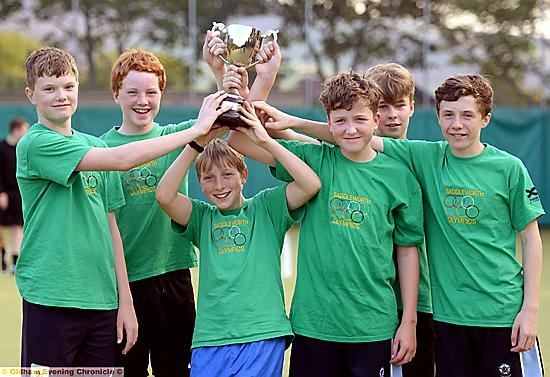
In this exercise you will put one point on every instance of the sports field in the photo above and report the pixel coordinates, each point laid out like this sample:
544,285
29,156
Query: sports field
10,307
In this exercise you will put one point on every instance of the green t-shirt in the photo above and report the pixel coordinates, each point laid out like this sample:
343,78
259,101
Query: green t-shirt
240,296
67,255
344,283
473,208
150,246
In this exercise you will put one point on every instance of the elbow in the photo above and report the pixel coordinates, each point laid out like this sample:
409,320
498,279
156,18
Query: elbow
161,197
314,186
317,185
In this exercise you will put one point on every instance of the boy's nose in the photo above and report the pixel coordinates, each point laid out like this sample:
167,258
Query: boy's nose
351,129
60,95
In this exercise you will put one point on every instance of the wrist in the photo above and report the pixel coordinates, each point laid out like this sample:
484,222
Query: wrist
193,144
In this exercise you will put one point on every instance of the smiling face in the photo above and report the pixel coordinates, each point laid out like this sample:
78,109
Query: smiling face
223,186
139,99
394,118
461,122
352,131
55,99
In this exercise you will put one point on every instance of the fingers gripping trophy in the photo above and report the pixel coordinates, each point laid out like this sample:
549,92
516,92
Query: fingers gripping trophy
242,44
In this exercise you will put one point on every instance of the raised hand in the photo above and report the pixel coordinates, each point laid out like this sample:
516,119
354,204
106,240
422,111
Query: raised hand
269,57
212,49
273,118
255,132
235,80
210,109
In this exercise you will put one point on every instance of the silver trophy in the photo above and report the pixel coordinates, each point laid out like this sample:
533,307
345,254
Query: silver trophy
242,44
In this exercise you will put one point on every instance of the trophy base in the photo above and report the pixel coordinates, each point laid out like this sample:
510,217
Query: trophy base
232,117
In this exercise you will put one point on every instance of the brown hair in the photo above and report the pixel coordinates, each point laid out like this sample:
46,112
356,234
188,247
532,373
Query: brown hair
345,89
136,60
17,123
458,86
49,61
219,153
395,81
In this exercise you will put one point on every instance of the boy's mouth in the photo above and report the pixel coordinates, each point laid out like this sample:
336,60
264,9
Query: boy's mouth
457,135
392,125
222,196
142,111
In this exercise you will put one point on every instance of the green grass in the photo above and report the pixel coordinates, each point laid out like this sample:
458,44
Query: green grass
10,310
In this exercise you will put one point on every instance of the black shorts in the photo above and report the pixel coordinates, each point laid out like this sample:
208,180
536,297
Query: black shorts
13,215
319,358
165,309
422,364
471,351
66,337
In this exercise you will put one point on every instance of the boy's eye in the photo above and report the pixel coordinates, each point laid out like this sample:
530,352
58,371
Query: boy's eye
228,174
383,106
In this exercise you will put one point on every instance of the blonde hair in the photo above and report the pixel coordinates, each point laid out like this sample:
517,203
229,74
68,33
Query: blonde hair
136,60
395,81
345,89
219,153
49,61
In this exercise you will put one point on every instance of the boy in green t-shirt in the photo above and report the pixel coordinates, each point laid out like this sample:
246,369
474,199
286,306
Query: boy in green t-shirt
344,312
70,316
396,107
241,328
157,259
476,197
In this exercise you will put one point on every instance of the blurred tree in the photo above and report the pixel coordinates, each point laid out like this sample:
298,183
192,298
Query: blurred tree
15,48
497,36
9,7
88,26
354,33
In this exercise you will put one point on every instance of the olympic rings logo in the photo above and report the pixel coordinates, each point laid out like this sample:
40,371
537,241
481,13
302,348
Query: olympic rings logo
228,236
140,177
89,180
463,206
347,209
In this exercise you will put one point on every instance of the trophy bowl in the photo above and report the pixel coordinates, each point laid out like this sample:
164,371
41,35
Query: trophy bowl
242,44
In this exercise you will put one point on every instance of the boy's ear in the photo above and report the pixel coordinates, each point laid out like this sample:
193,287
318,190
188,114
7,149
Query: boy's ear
376,119
486,120
412,109
244,176
115,97
29,93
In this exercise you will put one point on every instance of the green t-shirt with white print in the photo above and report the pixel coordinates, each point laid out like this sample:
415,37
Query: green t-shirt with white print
67,255
473,208
240,297
346,272
150,246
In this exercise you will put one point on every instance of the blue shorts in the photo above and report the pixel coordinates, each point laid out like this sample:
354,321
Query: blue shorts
263,358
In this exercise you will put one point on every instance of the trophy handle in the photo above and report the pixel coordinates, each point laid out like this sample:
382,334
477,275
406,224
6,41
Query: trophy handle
270,36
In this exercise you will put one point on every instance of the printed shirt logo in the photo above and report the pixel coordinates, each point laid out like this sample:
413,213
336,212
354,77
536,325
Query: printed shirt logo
532,194
463,206
90,181
230,236
141,180
349,210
